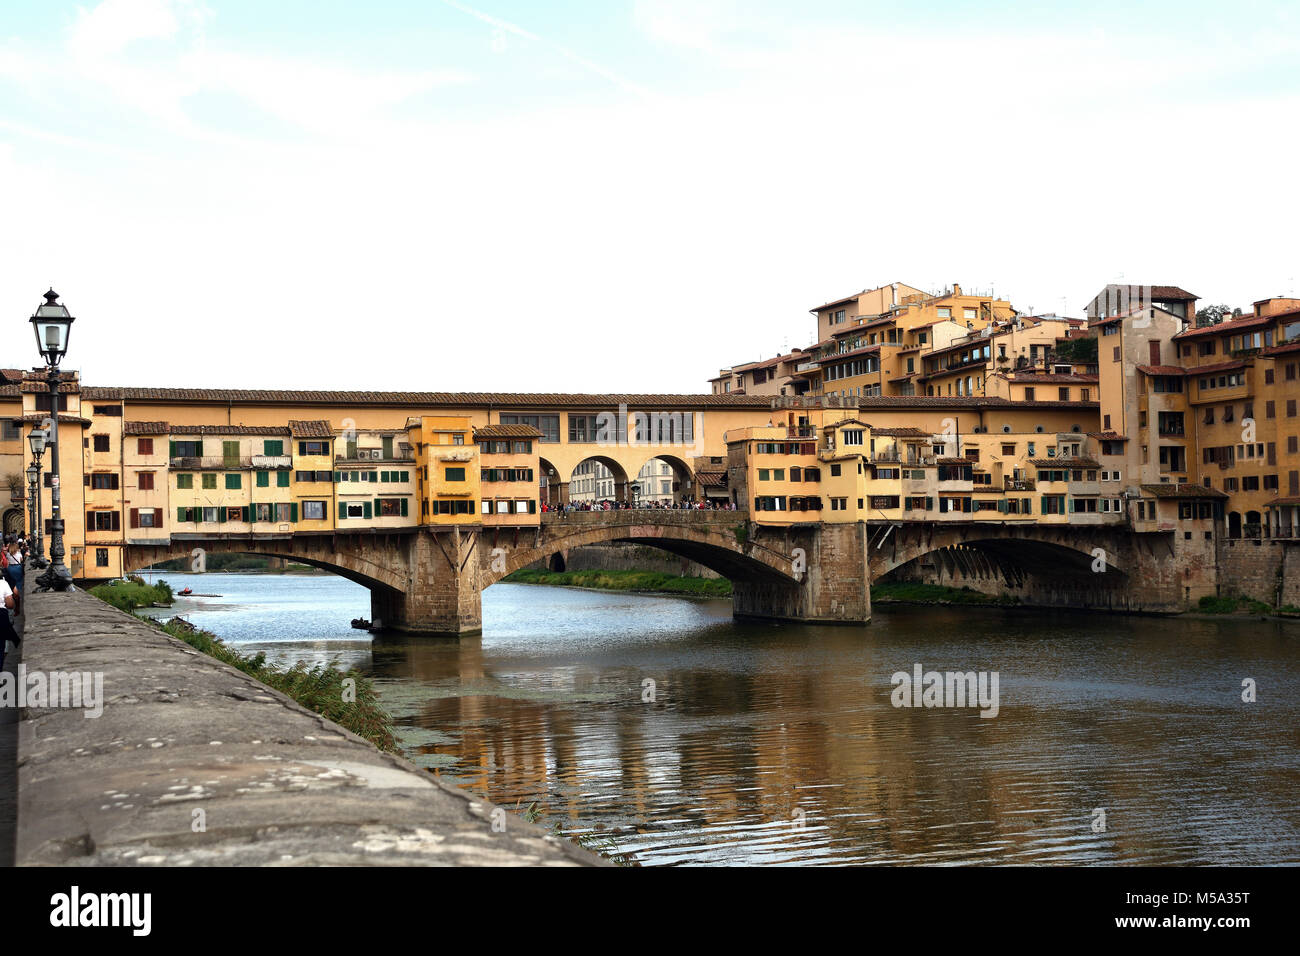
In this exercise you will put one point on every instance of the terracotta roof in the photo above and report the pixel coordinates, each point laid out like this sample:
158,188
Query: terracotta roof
145,428
1280,502
1284,348
311,429
711,479
1165,293
507,431
1107,436
847,298
956,461
1162,370
1245,322
497,400
845,421
861,350
900,432
11,375
1219,367
228,430
1183,490
38,417
950,401
1052,378
39,386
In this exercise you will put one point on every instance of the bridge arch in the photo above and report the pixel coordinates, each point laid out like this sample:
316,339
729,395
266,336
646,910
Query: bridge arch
584,484
683,477
1011,552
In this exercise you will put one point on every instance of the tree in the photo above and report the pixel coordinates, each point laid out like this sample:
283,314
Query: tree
1214,314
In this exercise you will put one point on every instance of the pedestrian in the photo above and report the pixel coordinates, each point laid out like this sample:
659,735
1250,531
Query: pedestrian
13,571
7,632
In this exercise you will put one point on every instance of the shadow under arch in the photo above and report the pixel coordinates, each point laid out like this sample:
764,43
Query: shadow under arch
683,477
622,485
1014,561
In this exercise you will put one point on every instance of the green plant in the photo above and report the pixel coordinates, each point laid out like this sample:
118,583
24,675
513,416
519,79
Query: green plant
741,532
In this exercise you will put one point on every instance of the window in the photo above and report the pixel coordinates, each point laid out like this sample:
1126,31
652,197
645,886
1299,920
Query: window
282,479
1115,354
101,557
104,482
835,471
103,521
144,446
852,436
455,474
313,511
1029,394
209,514
548,425
101,442
263,479
233,482
582,428
209,480
273,446
1063,393
313,448
391,507
942,312
184,481
146,480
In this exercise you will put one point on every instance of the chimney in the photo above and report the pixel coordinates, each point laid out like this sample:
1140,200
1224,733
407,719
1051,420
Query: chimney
956,289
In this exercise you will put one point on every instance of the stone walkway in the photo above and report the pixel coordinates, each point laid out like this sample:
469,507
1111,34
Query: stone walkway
193,762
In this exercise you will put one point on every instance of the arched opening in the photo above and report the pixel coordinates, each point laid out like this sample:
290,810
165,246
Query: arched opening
599,482
552,490
556,562
13,520
664,481
1234,524
1253,525
1003,566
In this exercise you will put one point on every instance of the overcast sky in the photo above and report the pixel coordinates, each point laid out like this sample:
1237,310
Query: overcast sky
516,196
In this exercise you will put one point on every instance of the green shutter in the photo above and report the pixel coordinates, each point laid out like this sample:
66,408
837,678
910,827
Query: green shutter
403,507
180,515
263,479
338,476
246,512
293,511
365,510
343,511
282,479
388,446
1002,505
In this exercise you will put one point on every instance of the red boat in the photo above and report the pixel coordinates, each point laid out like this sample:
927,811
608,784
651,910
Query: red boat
185,592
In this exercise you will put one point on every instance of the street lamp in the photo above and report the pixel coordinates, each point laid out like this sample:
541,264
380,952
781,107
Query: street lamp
52,323
32,473
37,442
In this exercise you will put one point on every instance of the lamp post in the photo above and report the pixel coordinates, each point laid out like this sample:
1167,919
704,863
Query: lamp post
32,512
37,442
52,323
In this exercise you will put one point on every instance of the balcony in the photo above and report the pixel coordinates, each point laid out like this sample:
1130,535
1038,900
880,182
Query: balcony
465,455
272,461
1017,484
217,462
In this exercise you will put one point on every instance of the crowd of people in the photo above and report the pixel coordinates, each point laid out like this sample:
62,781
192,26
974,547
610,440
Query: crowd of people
13,555
609,504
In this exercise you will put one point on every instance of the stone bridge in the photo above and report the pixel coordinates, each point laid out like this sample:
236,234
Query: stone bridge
430,580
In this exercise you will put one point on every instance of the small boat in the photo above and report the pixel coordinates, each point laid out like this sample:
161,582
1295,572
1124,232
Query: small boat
185,592
361,623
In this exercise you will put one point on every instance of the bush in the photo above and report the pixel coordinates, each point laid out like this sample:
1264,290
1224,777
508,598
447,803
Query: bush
129,595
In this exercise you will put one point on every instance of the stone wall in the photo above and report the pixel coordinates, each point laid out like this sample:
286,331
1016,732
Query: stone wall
620,556
194,763
1261,569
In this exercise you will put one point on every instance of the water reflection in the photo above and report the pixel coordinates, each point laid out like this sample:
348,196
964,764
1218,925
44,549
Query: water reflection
778,744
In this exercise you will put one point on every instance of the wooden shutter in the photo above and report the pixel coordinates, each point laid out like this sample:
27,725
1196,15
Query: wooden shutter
343,511
171,449
365,510
403,507
90,521
135,517
180,515
293,511
117,521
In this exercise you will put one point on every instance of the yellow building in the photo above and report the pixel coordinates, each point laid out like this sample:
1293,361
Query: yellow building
508,475
447,460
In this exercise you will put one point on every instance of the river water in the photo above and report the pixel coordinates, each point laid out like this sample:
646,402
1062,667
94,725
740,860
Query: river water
1117,739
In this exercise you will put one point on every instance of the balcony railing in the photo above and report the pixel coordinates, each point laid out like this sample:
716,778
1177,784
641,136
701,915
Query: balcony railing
1017,484
210,462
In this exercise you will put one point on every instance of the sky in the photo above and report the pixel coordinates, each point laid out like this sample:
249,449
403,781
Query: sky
616,196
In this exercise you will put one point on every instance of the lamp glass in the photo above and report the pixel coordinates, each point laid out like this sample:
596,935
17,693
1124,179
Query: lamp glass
37,441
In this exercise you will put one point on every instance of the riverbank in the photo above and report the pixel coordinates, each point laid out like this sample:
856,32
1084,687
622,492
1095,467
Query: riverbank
648,582
194,762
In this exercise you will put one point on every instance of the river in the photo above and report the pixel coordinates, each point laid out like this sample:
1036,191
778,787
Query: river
1118,739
